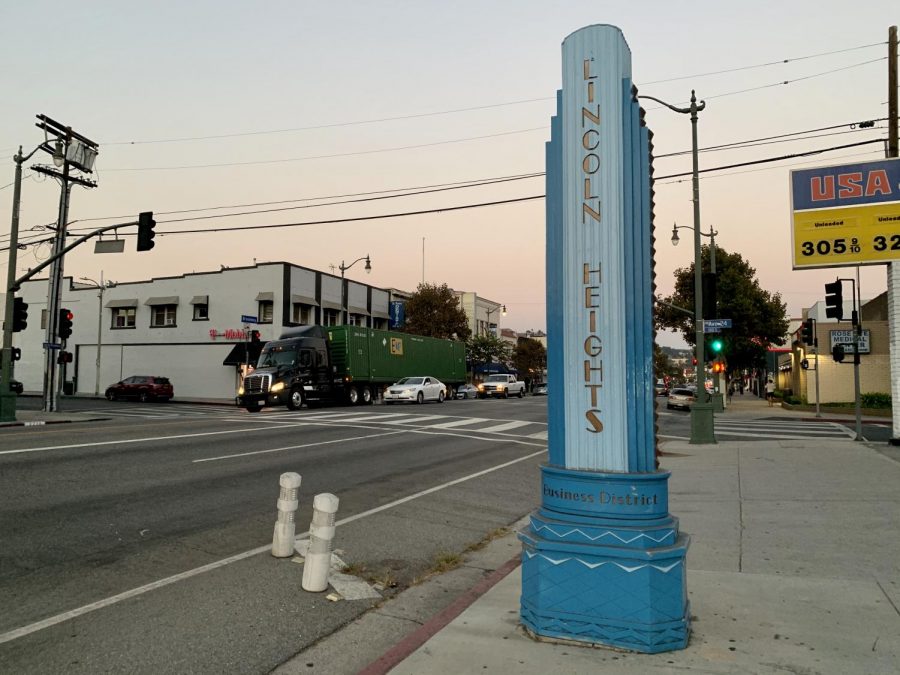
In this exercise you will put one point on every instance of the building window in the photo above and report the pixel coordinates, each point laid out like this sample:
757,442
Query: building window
330,317
266,308
162,316
43,319
303,314
123,317
201,312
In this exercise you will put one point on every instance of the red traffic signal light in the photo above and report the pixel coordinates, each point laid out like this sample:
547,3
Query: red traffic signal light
718,367
64,357
64,325
254,336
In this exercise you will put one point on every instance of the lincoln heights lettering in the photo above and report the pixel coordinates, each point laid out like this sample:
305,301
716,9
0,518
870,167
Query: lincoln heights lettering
591,277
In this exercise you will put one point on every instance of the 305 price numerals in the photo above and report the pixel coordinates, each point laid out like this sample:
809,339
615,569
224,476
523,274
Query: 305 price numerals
839,246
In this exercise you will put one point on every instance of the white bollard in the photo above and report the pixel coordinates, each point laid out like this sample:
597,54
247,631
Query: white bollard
283,539
321,536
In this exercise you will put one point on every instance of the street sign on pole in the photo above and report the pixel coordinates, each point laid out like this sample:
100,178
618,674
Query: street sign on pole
52,345
245,318
715,325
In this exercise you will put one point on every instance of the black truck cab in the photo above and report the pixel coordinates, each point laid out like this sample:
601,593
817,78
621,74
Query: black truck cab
290,371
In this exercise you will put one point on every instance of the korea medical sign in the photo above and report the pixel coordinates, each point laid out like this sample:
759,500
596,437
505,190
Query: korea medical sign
846,215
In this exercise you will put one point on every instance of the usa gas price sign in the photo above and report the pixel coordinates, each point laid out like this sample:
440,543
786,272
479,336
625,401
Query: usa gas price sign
846,215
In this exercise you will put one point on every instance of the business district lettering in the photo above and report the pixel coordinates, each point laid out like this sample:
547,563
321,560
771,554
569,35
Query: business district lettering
590,165
602,497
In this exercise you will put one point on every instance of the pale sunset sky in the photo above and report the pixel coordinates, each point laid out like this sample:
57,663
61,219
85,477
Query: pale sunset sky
206,108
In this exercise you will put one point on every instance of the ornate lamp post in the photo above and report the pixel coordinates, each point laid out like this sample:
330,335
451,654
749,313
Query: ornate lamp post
701,411
501,309
101,286
343,269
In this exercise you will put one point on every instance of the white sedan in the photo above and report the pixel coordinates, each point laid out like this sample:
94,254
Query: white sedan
415,389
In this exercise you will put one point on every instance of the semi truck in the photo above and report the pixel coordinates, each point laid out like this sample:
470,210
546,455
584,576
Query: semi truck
347,365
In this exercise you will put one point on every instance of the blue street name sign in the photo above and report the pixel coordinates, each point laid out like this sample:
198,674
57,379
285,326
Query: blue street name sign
51,345
245,318
715,325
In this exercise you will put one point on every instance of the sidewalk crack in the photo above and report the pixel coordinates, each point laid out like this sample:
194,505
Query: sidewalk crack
881,588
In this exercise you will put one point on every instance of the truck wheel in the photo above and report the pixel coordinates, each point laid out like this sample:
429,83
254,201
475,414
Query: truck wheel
367,396
521,393
440,397
451,394
253,408
295,400
505,394
352,396
420,399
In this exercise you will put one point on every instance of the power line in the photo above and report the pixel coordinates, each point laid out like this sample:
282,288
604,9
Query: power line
764,65
487,106
332,156
774,159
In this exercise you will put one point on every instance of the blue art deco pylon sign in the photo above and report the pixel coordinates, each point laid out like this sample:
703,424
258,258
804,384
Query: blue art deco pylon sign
603,560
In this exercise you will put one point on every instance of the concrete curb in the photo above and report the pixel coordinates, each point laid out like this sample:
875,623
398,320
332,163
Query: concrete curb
40,423
439,621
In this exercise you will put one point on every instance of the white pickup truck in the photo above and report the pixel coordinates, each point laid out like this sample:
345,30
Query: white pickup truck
503,386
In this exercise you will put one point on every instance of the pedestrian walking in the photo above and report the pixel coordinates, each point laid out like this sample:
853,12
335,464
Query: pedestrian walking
770,392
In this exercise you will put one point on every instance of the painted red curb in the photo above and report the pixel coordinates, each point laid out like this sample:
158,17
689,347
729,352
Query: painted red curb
421,635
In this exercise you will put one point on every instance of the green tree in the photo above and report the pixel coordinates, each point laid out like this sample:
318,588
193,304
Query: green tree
488,349
434,311
758,317
662,365
529,358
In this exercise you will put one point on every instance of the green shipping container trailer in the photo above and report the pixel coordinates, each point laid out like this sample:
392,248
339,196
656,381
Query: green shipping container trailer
383,357
313,365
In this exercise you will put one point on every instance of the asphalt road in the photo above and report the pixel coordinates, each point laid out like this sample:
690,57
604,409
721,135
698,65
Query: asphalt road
95,517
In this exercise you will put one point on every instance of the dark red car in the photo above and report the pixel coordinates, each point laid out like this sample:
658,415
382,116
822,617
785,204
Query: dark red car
142,387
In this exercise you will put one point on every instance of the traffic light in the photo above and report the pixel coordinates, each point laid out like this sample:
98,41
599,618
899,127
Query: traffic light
804,364
20,315
64,357
808,332
145,231
714,347
254,336
834,300
16,354
837,353
718,367
64,325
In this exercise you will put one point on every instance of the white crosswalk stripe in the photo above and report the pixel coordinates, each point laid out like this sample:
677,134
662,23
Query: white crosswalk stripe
450,423
767,430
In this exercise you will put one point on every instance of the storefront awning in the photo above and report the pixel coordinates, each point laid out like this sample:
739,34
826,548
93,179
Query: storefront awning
327,304
200,300
304,300
380,314
164,300
243,352
265,296
122,303
357,310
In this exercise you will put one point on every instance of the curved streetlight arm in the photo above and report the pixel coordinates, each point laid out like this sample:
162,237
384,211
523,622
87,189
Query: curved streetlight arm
694,107
343,268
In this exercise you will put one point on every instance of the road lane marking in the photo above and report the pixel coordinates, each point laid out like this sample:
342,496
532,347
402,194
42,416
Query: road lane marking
143,440
503,427
146,588
541,435
417,420
295,447
459,423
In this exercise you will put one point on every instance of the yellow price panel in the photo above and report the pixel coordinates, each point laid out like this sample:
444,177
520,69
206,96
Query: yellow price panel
857,235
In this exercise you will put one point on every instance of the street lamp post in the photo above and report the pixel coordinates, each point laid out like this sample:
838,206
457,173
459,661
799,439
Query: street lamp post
501,309
101,287
7,397
701,410
344,292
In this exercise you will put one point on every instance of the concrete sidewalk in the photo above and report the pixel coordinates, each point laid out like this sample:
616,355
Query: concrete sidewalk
794,567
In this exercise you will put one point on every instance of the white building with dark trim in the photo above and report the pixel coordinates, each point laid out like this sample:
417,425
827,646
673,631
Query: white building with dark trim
190,328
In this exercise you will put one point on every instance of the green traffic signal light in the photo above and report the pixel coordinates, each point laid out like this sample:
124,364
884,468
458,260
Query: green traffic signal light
716,345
